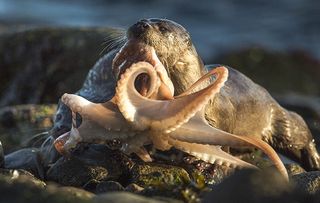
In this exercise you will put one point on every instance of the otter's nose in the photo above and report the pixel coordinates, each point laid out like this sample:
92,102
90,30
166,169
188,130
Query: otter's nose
139,28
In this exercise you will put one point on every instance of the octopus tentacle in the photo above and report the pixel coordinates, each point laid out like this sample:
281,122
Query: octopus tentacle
201,80
143,154
197,130
105,114
161,115
210,154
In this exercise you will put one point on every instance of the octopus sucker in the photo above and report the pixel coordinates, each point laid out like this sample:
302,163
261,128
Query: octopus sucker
197,130
209,153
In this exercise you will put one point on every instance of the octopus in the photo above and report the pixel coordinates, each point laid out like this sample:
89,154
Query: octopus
153,88
153,115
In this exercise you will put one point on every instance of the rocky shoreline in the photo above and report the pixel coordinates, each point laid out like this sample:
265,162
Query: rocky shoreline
31,169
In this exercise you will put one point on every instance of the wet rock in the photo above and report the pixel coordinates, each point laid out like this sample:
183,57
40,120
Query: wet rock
28,159
109,186
1,156
59,58
204,173
294,169
125,197
19,125
309,182
23,188
22,175
256,186
91,185
92,162
159,176
76,192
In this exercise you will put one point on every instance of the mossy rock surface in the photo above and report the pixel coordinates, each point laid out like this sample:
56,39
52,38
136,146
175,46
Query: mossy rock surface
159,176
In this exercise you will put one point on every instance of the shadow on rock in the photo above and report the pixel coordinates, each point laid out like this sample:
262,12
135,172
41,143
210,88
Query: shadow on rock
258,186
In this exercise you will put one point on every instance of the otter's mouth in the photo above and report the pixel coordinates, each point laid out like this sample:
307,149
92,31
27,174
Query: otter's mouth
134,51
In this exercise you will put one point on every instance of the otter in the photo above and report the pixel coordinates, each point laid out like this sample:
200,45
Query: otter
242,107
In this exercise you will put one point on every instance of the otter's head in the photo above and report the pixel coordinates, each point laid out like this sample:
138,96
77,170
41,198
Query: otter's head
172,46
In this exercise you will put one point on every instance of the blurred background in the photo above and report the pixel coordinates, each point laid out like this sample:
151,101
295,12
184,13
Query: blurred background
47,48
216,26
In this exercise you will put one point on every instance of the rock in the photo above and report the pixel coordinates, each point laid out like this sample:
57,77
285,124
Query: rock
19,124
59,58
294,169
94,162
204,173
91,185
22,175
160,180
126,197
76,192
109,186
257,187
309,182
28,159
22,188
1,156
159,176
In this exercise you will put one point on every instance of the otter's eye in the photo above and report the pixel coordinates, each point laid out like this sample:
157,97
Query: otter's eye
163,29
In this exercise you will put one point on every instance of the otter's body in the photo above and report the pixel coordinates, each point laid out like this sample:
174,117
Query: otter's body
242,107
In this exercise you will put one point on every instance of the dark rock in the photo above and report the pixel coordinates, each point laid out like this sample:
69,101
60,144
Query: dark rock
126,197
22,175
1,156
22,188
204,173
309,182
109,186
257,186
28,159
76,192
91,185
92,162
59,58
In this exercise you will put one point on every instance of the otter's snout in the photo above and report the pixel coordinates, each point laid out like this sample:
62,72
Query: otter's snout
139,28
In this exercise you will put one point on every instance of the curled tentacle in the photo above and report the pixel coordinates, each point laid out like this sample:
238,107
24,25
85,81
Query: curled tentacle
174,112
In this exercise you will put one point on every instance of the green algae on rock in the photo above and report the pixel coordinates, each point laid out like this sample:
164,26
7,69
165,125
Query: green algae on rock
159,176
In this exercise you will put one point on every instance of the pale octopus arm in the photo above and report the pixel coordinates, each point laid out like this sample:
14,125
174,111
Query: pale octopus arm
172,116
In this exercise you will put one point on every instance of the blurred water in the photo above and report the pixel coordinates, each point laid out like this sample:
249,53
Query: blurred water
216,26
